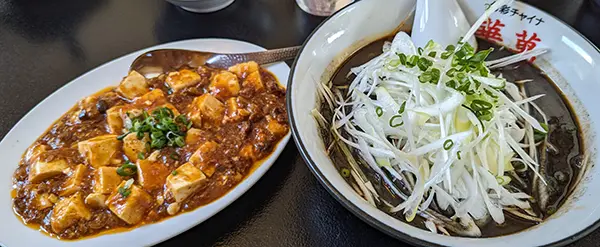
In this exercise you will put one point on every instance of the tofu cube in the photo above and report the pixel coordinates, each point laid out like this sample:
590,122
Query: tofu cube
34,152
42,170
106,180
249,152
276,128
131,208
132,146
204,152
234,111
206,107
153,98
208,168
67,212
151,174
45,200
184,181
254,81
244,69
114,119
194,136
179,80
100,150
96,200
224,85
133,85
203,156
75,180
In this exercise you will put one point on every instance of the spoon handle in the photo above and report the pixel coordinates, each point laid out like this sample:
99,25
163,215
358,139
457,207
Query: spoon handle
262,57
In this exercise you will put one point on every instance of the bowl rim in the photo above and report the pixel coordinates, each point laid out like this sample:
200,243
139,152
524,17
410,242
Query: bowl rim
354,209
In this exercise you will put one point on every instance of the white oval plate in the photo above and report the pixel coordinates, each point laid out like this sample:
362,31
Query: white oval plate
572,64
12,231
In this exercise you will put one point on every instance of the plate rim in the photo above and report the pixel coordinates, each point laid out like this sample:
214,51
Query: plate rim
355,209
227,199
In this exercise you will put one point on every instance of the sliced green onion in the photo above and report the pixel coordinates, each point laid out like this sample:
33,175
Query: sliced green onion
538,135
121,137
127,169
448,144
480,56
174,172
503,180
480,105
402,57
420,50
425,77
458,155
392,124
140,156
126,189
424,63
432,54
450,72
430,44
451,84
446,55
379,111
345,172
394,63
179,141
402,108
124,192
435,75
490,94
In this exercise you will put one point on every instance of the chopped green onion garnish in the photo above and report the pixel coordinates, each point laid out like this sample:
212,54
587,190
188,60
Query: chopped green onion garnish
424,63
458,155
127,169
480,105
126,189
392,124
124,192
402,108
345,172
163,127
503,180
402,57
379,111
394,63
538,135
490,94
425,77
174,172
140,156
448,144
121,137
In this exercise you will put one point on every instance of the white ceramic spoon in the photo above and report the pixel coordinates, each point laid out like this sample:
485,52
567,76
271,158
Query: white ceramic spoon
442,21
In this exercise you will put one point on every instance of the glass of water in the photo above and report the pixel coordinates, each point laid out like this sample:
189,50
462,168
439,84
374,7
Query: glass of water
322,7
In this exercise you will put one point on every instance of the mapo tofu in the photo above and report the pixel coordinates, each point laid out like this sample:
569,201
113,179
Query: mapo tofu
148,149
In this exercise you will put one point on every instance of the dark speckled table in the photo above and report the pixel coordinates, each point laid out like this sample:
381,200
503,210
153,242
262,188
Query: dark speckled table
45,44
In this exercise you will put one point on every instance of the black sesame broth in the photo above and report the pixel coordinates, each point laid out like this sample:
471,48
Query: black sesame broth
563,156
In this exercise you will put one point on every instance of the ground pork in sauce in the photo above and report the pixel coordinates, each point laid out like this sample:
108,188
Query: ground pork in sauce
221,147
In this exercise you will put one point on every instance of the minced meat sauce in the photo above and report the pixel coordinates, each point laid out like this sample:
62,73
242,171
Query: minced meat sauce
149,149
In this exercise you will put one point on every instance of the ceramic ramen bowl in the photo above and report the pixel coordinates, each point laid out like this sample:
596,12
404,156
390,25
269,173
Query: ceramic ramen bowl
572,65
